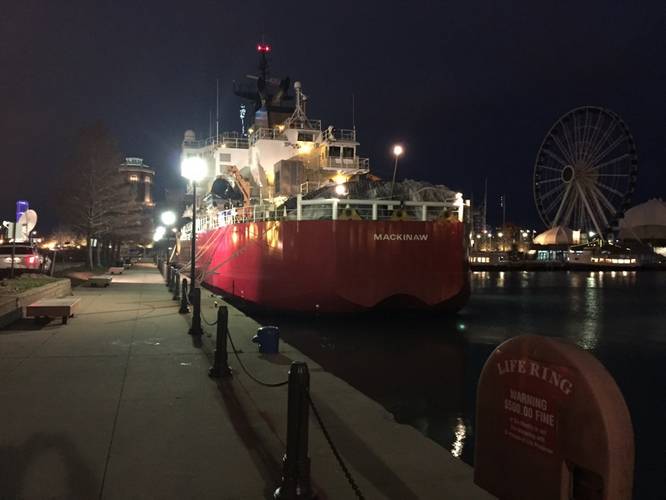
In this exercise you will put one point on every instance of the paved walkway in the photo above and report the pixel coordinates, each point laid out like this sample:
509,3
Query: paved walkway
116,405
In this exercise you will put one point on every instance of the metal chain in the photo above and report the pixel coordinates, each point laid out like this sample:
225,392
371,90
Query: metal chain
346,472
201,314
233,347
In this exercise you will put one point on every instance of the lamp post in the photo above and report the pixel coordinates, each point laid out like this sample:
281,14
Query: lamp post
168,218
397,151
194,168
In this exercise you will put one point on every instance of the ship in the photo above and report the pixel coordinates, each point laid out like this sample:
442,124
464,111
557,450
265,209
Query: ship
291,219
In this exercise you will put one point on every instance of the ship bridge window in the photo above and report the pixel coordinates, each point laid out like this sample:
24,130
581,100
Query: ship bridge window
348,153
226,157
334,151
306,136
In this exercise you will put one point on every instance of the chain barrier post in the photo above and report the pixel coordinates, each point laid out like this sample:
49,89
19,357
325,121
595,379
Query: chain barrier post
183,298
220,366
195,298
296,484
176,287
172,277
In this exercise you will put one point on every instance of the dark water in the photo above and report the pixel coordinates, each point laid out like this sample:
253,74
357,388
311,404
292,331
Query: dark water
425,370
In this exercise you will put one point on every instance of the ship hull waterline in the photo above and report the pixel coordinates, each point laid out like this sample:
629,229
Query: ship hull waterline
337,266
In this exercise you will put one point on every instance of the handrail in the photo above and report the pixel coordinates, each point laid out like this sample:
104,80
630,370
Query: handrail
368,209
355,163
227,139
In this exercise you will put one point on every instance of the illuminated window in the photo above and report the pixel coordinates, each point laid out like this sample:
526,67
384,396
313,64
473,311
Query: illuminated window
134,178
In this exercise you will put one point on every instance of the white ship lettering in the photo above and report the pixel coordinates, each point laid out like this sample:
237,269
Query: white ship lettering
400,237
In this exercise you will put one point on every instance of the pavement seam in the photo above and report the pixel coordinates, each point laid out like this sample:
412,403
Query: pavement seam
120,398
32,353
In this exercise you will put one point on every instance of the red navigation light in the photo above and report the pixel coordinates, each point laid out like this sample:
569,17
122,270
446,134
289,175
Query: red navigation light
263,48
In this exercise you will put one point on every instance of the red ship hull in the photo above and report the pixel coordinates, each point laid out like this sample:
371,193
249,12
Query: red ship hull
338,266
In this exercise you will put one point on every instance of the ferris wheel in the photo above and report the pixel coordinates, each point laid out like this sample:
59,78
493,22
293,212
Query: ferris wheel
585,171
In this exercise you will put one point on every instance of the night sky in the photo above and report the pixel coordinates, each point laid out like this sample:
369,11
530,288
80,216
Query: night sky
469,87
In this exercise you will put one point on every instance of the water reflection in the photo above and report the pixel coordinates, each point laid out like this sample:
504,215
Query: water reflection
589,332
460,434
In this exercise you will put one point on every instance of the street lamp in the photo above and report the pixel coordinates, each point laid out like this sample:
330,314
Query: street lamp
159,233
397,151
194,168
168,218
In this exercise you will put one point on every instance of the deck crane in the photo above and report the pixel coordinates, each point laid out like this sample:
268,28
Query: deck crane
243,185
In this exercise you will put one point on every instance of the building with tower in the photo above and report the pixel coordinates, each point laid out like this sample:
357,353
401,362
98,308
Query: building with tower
139,177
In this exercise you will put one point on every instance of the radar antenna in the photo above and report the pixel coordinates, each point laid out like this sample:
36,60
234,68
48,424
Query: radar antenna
299,118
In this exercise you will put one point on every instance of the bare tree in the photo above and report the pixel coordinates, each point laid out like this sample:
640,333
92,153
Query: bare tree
95,199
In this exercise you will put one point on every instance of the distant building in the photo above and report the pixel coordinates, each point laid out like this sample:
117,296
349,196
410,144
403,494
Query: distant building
645,222
139,177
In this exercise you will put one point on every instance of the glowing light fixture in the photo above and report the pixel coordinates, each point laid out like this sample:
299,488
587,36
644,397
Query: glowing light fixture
304,148
340,190
194,168
339,178
168,218
159,233
397,151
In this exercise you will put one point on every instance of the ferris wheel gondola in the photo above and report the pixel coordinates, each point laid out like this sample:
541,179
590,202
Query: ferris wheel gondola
585,171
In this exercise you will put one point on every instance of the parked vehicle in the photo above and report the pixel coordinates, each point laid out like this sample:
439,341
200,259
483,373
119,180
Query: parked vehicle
26,258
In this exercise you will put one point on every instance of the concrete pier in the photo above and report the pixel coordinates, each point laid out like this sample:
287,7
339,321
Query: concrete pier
117,404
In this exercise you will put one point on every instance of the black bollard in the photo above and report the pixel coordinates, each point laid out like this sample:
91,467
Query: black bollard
176,287
296,484
220,366
183,297
167,276
174,273
195,298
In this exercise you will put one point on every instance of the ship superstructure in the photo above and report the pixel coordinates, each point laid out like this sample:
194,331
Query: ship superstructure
284,152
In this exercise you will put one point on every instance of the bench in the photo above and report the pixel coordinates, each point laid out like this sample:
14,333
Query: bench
102,280
116,270
53,308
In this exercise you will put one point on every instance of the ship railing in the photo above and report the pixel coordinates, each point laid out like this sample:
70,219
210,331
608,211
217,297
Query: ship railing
344,134
226,139
307,186
337,208
332,209
266,133
346,164
233,142
309,125
339,134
